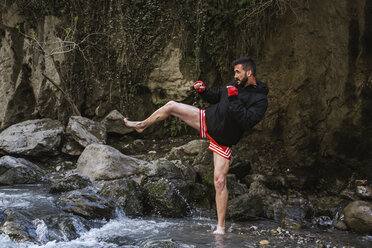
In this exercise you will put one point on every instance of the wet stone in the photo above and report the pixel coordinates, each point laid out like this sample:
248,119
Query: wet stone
358,216
69,183
19,171
168,197
291,223
86,203
32,138
160,244
127,194
245,207
85,131
61,227
18,225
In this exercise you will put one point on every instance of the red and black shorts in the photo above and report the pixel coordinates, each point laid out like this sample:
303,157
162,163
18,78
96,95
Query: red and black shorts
223,151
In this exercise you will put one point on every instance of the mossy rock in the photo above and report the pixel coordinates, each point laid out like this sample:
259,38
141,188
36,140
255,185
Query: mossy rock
168,198
127,194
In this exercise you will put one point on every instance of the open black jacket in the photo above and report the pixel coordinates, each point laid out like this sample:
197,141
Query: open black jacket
230,116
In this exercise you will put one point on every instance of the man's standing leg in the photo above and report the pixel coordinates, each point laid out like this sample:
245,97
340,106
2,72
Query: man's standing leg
221,167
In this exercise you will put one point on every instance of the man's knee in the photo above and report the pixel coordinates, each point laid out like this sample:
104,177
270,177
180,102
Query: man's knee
219,182
171,105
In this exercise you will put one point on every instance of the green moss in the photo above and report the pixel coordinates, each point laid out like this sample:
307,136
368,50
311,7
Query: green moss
157,189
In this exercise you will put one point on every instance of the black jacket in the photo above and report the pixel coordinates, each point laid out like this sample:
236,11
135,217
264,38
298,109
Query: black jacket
230,116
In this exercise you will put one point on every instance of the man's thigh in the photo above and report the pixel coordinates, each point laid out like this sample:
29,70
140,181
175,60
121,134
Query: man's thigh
187,113
221,165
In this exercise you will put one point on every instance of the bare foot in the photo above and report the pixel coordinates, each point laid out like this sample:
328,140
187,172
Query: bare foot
136,125
219,230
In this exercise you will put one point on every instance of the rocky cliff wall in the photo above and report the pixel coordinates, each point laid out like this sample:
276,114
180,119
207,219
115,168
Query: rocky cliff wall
318,64
135,55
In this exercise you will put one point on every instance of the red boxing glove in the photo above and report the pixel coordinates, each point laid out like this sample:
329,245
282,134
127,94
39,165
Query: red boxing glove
232,91
201,87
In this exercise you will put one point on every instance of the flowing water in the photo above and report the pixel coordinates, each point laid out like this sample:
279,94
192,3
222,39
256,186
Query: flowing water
161,232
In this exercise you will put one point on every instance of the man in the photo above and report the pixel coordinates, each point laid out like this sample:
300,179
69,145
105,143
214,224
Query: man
237,108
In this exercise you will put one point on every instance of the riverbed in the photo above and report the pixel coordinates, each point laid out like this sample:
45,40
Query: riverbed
194,231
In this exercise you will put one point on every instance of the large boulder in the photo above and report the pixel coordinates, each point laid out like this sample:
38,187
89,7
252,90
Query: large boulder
114,123
86,203
258,202
85,131
18,226
32,138
188,152
127,194
69,183
163,168
19,171
168,197
102,162
245,207
358,216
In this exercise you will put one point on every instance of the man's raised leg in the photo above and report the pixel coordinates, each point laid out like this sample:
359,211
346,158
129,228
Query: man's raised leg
221,167
187,113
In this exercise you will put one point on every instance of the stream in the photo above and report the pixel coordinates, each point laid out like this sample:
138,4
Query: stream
195,231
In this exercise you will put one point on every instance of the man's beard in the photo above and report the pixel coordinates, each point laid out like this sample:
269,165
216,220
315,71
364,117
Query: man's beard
243,82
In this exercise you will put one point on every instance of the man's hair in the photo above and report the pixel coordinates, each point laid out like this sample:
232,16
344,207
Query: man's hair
247,63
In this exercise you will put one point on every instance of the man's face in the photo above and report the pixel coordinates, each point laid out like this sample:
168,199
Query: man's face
241,76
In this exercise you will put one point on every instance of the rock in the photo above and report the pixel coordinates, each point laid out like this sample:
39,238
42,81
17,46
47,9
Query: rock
264,242
341,225
361,182
200,196
339,221
127,194
194,147
69,183
329,205
323,221
188,171
18,226
32,138
297,208
234,187
61,227
114,123
292,223
166,81
102,162
187,153
358,216
85,131
203,158
163,168
349,195
71,147
168,197
254,177
245,207
86,203
273,207
365,192
19,171
203,166
168,243
240,168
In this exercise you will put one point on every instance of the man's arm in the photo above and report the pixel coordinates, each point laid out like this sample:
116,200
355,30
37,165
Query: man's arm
247,117
207,95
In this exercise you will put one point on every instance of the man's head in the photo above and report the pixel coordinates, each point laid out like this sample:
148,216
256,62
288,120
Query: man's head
245,70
